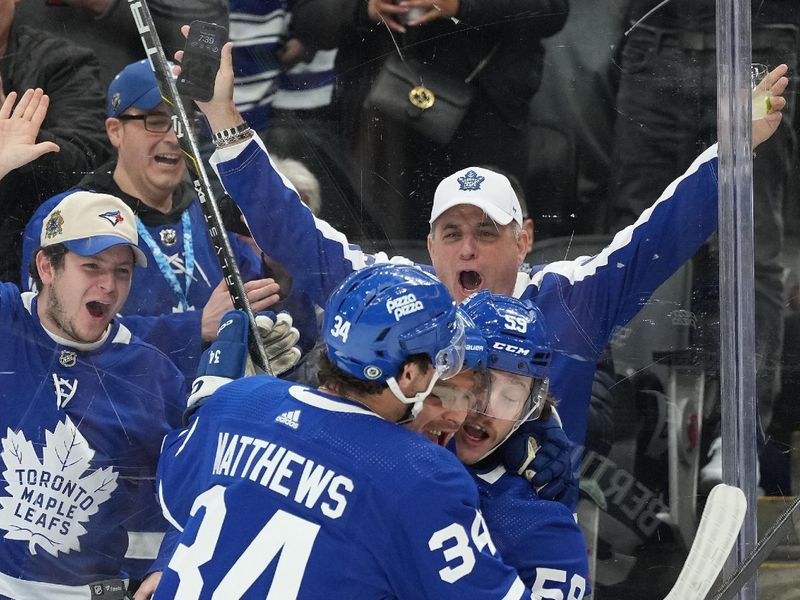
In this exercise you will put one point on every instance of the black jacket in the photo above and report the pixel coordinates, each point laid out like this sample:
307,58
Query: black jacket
75,121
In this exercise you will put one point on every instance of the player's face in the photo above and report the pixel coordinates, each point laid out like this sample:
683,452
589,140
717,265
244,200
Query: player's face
498,412
149,162
80,299
470,252
445,409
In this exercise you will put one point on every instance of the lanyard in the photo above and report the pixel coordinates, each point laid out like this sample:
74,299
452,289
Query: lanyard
163,262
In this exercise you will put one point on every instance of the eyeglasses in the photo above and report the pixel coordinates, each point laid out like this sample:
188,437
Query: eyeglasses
154,122
160,122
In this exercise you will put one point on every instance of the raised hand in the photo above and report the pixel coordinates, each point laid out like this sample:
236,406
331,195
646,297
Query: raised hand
262,293
19,126
776,83
220,110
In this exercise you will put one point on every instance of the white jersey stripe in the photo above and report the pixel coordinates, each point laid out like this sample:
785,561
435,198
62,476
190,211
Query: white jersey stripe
580,268
143,545
517,591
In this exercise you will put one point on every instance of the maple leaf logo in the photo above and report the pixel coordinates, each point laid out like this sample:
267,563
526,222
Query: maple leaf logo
49,500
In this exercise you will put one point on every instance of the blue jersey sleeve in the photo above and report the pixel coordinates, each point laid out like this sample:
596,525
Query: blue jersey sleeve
178,335
586,299
317,256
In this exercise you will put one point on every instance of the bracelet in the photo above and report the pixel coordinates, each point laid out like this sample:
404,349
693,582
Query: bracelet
232,135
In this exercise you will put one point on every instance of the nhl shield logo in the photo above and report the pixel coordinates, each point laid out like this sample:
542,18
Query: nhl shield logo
168,236
470,182
53,226
68,358
116,99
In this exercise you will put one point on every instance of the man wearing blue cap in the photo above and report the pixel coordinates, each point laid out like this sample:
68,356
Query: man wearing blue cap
177,301
84,405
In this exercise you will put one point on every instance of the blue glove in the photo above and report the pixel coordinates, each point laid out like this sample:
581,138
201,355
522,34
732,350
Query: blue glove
225,360
541,452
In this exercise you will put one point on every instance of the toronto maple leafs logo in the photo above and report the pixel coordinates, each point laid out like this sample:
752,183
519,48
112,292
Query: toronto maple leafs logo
113,217
53,226
49,500
470,181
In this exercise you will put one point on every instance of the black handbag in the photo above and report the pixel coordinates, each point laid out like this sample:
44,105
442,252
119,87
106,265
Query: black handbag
430,101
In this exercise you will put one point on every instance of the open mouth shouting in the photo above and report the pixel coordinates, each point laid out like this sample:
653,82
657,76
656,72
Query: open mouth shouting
97,309
470,281
440,437
474,434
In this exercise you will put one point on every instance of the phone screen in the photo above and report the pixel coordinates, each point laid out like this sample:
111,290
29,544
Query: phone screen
201,60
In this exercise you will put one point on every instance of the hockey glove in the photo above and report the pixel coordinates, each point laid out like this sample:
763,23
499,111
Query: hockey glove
280,338
228,357
541,452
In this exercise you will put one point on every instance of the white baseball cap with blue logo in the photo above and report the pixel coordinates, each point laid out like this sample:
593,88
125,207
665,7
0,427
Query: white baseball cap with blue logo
484,188
88,223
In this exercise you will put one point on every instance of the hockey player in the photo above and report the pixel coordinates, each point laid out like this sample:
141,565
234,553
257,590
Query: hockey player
177,301
293,492
477,242
84,406
538,537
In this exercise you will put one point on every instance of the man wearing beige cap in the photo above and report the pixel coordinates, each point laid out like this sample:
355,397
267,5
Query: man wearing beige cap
83,408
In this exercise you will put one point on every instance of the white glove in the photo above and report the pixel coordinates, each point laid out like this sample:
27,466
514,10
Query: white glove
279,337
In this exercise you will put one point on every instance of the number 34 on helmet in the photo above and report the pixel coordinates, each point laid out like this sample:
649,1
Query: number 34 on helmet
382,314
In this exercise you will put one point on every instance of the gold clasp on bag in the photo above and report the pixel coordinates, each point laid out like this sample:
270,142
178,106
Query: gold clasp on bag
421,97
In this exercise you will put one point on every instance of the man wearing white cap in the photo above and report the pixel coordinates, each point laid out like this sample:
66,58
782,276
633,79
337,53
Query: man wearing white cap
477,241
83,408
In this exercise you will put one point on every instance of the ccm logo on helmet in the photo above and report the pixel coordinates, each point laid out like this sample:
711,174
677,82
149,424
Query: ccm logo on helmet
404,305
511,348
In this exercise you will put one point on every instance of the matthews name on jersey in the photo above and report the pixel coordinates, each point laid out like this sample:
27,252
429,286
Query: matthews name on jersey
283,491
539,538
81,429
584,300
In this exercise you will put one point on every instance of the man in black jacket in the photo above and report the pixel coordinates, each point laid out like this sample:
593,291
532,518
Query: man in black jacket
69,75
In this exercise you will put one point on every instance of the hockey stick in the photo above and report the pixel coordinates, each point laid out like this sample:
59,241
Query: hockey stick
719,526
762,550
200,181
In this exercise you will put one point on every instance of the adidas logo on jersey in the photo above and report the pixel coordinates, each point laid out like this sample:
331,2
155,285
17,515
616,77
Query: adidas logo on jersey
290,419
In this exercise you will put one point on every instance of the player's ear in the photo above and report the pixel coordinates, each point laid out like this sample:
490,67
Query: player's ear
413,378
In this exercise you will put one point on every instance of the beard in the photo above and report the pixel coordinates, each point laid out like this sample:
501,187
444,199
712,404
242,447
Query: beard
55,312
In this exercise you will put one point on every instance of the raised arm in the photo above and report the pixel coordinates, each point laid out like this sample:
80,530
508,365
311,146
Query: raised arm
19,126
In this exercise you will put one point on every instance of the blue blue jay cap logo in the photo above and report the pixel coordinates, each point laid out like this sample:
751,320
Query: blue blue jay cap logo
470,181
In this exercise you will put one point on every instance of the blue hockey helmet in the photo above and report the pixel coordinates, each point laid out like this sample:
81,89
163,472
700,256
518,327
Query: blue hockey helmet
382,314
516,338
516,341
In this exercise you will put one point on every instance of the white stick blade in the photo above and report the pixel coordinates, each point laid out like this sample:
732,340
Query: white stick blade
719,526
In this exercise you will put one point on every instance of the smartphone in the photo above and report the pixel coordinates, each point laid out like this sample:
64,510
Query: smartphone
201,57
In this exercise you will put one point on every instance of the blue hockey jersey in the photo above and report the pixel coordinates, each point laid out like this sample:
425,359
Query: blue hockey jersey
539,538
282,491
81,428
584,300
153,311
